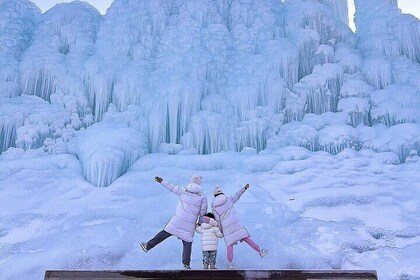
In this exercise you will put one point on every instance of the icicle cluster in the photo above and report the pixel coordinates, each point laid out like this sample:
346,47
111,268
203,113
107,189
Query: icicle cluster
51,66
106,150
206,76
18,19
28,121
320,89
383,29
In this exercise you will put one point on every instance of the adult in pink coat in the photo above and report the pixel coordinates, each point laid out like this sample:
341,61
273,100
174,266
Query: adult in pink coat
233,231
191,206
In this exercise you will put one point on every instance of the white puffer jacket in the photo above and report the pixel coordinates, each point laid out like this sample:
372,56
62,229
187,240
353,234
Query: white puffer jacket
192,205
228,220
210,234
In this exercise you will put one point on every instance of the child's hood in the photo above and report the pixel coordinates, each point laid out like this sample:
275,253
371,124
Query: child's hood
212,223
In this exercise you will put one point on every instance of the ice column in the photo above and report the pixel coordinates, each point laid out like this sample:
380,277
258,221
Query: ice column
383,29
339,8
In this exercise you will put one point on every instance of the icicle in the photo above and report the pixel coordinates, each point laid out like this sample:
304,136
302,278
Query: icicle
377,72
339,9
7,133
335,138
307,41
211,133
349,58
357,109
327,54
31,121
384,30
283,58
107,150
295,134
99,93
401,139
355,88
315,16
252,133
321,88
406,30
394,105
52,66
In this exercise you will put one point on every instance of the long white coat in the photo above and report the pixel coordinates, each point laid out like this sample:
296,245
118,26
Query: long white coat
210,234
192,204
228,220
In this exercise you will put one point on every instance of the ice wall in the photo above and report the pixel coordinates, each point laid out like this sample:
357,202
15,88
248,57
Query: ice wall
185,51
18,19
245,53
208,76
390,42
52,67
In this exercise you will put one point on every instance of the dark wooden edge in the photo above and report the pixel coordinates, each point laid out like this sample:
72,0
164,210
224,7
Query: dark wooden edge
215,274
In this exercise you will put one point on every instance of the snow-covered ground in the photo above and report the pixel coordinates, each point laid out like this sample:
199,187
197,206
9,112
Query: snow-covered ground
322,122
355,210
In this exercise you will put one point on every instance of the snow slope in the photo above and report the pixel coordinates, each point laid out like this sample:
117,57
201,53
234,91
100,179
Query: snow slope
356,210
280,94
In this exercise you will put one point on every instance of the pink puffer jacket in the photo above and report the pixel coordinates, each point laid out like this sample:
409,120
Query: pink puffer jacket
228,220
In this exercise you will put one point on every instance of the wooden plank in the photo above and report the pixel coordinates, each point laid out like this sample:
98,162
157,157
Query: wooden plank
211,274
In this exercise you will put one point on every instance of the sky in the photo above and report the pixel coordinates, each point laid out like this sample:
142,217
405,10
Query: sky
407,6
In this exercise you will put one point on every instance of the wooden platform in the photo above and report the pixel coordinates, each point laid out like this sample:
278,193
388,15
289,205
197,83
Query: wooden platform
212,274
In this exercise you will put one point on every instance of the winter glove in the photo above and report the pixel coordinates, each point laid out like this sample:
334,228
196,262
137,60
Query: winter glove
246,186
158,179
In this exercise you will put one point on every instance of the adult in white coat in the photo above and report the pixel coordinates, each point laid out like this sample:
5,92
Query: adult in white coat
191,206
233,231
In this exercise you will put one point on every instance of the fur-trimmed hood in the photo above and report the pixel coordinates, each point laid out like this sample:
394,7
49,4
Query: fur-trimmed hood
196,179
219,200
212,223
194,188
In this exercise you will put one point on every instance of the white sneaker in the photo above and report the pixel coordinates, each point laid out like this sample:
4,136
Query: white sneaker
230,266
263,252
143,246
187,267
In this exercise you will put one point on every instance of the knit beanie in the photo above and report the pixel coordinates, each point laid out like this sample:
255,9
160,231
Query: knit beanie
217,190
196,179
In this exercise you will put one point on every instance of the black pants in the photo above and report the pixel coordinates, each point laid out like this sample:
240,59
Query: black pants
162,235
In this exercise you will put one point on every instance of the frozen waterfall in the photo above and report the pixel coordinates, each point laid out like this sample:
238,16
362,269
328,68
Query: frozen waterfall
187,77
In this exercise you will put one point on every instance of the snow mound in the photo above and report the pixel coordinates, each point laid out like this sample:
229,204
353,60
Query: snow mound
106,151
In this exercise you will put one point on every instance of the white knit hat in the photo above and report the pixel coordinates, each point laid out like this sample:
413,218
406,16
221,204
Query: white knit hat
196,179
218,190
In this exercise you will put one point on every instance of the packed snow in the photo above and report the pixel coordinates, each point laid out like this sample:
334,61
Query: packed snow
313,210
322,122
